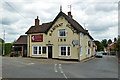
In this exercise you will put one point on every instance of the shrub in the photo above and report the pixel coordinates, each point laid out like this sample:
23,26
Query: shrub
8,47
1,47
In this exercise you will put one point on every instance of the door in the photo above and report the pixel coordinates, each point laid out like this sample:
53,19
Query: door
50,51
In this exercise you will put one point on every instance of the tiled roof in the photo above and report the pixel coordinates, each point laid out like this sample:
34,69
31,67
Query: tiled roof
39,29
22,40
44,28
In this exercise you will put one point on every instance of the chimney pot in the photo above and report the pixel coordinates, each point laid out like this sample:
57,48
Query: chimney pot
69,14
37,22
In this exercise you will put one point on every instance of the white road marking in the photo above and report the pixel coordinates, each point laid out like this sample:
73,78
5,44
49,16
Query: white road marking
65,76
31,63
55,68
61,70
24,63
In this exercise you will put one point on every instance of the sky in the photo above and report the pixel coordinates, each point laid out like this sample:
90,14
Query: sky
99,17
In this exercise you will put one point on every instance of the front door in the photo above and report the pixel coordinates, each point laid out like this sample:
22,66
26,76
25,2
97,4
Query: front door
49,51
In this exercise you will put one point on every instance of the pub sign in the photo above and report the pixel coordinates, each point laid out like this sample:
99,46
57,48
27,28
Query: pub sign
37,38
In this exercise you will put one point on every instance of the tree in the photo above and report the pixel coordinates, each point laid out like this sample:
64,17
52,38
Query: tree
109,41
1,40
117,45
1,46
99,46
104,43
14,41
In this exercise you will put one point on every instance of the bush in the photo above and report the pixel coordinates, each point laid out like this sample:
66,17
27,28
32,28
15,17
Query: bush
1,48
8,47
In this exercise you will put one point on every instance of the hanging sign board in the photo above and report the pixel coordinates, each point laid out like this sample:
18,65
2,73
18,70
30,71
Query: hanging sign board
75,42
37,38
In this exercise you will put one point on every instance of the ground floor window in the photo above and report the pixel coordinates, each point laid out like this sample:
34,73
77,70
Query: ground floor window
44,50
36,50
80,50
64,50
89,51
86,50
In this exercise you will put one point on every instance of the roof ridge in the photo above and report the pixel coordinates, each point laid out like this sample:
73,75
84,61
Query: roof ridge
47,22
45,27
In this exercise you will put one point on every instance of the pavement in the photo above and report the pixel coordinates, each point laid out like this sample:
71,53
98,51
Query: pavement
106,67
47,61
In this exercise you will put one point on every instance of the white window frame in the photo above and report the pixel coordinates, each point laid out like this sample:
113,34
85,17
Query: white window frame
37,49
89,51
80,50
81,35
59,32
66,51
86,37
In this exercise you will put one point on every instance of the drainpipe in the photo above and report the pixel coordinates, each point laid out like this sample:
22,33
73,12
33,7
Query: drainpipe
79,47
29,45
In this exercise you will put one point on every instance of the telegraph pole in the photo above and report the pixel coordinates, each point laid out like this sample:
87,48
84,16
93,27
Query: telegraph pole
69,6
84,26
4,43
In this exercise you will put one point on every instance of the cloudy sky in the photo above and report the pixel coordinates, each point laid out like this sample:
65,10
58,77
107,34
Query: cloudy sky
99,16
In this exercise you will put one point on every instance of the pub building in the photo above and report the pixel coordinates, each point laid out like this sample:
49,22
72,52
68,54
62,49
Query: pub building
63,38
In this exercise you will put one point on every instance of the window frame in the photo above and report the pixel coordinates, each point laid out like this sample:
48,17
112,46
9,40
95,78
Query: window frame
89,43
59,33
43,50
37,49
86,50
89,51
66,50
80,50
81,35
86,37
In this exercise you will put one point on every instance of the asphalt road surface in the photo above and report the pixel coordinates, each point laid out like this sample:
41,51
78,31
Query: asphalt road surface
106,67
0,67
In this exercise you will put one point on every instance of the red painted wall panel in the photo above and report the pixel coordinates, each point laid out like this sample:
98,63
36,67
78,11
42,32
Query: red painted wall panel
37,38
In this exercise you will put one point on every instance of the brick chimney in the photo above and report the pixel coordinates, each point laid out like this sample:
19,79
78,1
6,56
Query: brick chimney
37,22
69,14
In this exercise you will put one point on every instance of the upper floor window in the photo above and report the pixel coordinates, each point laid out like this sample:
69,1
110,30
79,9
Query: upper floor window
62,33
80,35
89,43
86,37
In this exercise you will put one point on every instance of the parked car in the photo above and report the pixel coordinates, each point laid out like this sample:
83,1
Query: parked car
99,54
105,52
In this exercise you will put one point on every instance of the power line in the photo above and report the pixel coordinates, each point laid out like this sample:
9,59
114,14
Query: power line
14,24
15,9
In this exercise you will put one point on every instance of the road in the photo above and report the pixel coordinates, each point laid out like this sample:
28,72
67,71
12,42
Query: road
0,67
106,67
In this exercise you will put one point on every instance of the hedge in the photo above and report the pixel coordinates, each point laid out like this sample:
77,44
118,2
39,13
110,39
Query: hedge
1,48
8,47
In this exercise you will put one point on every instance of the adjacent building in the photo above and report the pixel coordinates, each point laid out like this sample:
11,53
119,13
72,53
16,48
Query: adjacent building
111,48
20,46
63,38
